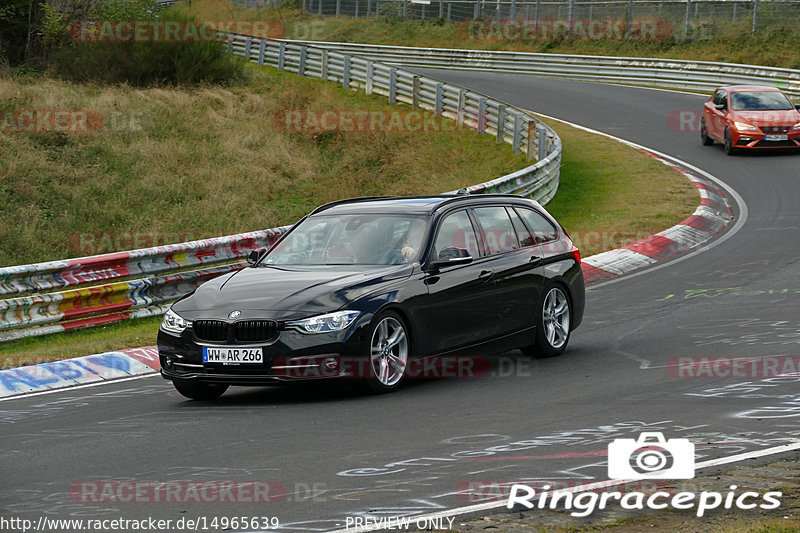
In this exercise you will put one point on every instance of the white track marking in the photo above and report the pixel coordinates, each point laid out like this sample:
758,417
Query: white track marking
76,387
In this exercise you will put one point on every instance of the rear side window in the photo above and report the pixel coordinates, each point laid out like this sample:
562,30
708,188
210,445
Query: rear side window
498,233
524,236
542,229
456,237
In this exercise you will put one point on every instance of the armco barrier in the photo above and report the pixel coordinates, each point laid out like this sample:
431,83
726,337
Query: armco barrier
61,295
673,73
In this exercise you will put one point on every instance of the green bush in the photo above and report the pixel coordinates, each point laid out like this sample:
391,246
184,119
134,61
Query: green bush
147,63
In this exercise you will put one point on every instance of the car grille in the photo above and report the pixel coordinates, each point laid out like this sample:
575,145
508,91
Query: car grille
210,330
243,331
774,129
776,144
255,330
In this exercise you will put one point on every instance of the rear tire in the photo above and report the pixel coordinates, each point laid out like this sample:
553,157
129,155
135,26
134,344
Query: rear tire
200,391
553,321
706,140
389,346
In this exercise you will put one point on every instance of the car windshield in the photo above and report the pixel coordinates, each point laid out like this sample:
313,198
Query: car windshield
355,239
760,101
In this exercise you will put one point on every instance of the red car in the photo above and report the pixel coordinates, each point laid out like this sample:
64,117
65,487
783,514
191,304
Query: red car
750,117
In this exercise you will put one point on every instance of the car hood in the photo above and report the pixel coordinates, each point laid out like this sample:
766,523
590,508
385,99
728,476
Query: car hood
285,293
789,117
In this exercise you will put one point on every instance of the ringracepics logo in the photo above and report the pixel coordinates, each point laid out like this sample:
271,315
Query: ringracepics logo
650,456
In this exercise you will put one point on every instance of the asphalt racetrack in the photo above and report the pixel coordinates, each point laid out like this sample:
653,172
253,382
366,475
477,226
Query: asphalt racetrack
327,456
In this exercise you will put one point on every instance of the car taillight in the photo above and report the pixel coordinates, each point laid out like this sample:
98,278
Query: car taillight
576,254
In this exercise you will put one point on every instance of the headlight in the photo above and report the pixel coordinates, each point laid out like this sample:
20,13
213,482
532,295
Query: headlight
326,323
741,126
796,127
173,323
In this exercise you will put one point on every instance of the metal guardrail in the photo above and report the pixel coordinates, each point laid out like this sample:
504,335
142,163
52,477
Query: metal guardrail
672,73
62,295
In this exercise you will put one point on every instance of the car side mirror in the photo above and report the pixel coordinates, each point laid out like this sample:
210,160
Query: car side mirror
255,255
797,106
721,107
451,256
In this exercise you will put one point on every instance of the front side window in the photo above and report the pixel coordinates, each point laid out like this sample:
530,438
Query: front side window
360,239
498,233
456,237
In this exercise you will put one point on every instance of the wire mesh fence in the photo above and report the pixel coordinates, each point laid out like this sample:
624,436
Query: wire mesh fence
686,17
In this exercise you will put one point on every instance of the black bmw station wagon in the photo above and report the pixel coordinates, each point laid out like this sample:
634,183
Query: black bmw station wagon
361,288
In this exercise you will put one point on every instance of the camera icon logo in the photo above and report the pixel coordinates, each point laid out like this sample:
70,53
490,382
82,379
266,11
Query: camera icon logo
651,457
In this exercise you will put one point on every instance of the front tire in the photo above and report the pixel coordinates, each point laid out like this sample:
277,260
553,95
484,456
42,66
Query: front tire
389,348
706,140
200,391
729,149
553,321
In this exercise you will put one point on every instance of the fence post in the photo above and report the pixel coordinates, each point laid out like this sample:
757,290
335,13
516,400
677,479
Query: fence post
629,19
405,8
248,43
570,17
393,86
323,72
538,11
439,94
230,43
481,115
301,68
377,9
319,7
462,96
338,7
755,15
423,11
734,10
542,136
476,13
441,9
346,73
369,8
449,11
513,10
281,56
517,133
356,15
415,92
370,68
262,50
688,19
501,123
531,139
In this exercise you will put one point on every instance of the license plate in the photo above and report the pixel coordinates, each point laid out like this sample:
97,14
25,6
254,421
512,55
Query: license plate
232,356
776,137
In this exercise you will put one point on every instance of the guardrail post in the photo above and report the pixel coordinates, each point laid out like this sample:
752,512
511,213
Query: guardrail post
230,43
439,94
462,96
247,44
755,15
517,133
301,68
688,19
531,140
542,137
368,88
393,86
262,50
338,7
415,92
281,56
346,73
501,123
323,70
482,115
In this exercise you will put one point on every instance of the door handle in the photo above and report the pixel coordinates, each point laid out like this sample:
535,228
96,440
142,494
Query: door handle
535,260
486,275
